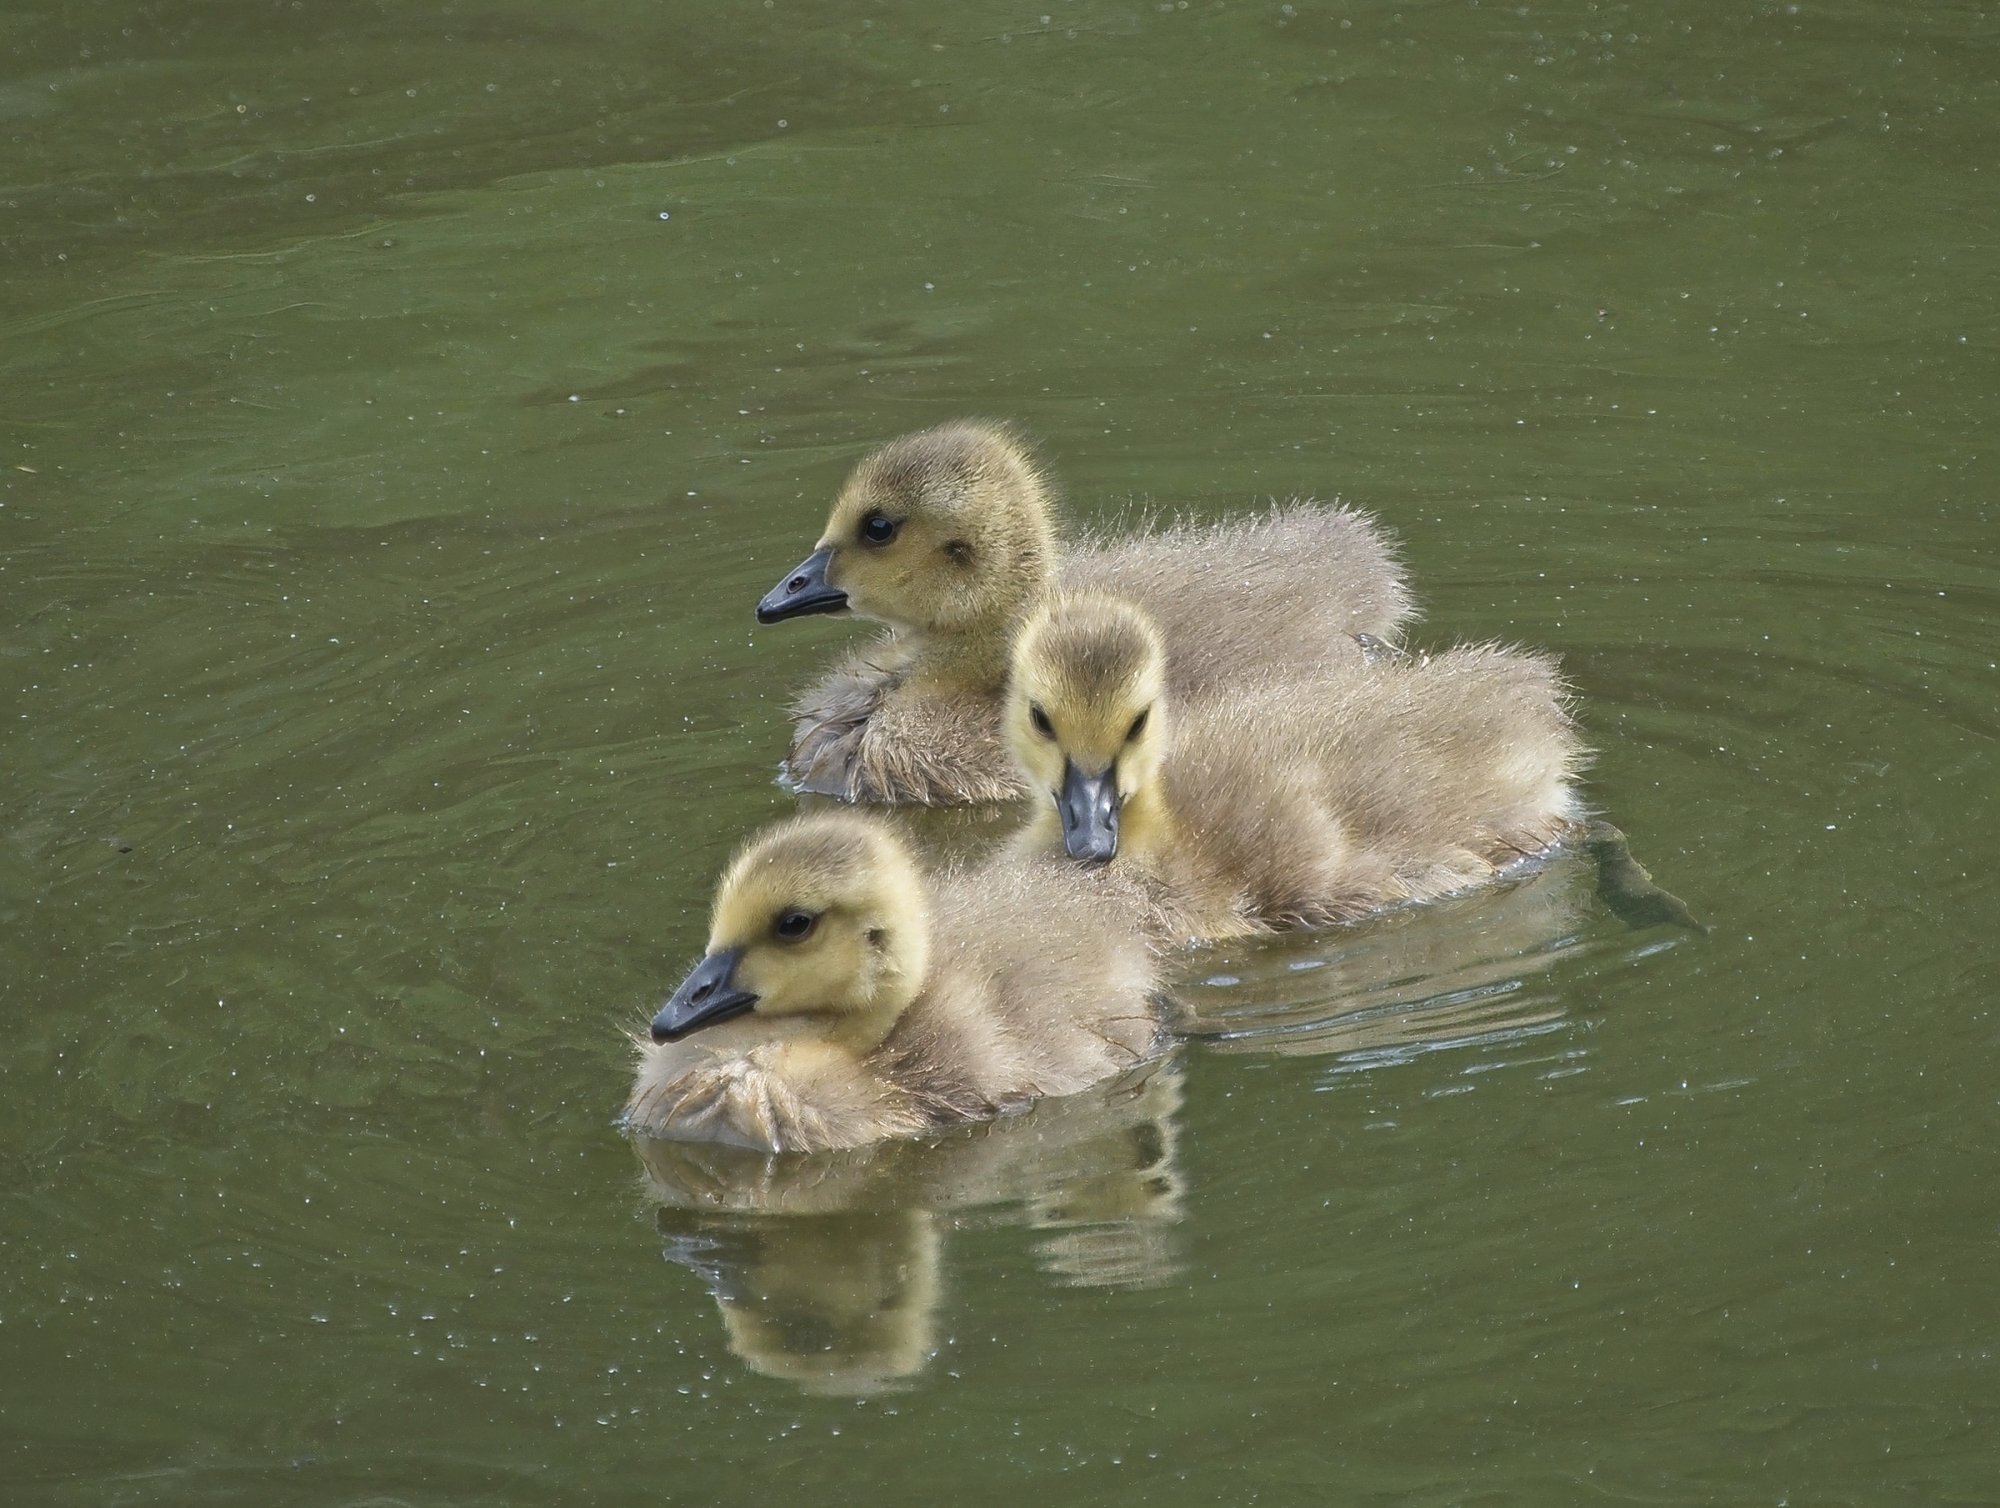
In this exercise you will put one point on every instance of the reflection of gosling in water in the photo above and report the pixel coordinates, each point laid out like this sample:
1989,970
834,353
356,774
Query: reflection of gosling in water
1113,1226
948,536
1294,803
842,1001
836,1303
827,1269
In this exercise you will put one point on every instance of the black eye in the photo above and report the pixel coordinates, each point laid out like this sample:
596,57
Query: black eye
1138,725
1041,721
876,529
793,925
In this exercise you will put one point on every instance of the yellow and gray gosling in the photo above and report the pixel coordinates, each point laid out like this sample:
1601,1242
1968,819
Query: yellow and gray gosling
1284,802
949,536
844,999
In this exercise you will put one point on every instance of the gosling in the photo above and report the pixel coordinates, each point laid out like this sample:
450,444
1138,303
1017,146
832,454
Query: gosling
844,1001
1284,803
948,537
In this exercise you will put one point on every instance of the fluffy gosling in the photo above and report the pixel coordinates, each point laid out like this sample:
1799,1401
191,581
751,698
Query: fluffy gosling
949,536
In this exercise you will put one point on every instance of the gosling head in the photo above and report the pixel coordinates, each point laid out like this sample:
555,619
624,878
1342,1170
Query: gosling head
820,921
1084,715
945,530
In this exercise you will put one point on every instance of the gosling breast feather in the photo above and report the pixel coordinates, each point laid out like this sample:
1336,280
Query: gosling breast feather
845,999
948,537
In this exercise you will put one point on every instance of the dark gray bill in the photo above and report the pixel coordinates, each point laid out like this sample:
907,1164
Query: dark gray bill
708,995
1088,806
804,591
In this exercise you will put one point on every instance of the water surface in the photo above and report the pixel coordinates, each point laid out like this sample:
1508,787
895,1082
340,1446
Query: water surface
404,409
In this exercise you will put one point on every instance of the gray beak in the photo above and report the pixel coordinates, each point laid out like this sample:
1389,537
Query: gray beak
1088,807
804,591
708,995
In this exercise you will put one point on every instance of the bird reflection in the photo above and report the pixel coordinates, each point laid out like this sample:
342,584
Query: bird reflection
827,1268
1451,973
837,1303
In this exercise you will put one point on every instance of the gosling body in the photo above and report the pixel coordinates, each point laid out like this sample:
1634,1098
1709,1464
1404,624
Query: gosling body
1285,802
948,537
902,1005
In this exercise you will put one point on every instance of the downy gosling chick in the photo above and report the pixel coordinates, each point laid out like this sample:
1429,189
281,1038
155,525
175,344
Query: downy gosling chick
843,1000
948,536
1284,802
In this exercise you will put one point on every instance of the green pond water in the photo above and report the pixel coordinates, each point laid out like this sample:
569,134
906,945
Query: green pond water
401,409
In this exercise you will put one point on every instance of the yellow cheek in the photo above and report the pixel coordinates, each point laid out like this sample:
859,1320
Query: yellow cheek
1142,769
754,973
1042,758
873,578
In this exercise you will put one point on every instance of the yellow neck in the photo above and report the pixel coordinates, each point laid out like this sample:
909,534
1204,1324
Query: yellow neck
976,656
862,1027
1145,828
861,1032
970,661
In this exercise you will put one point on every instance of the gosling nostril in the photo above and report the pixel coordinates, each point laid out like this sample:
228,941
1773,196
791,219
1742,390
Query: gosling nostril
704,991
796,584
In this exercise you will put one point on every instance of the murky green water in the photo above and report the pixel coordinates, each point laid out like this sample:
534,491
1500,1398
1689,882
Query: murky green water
403,407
